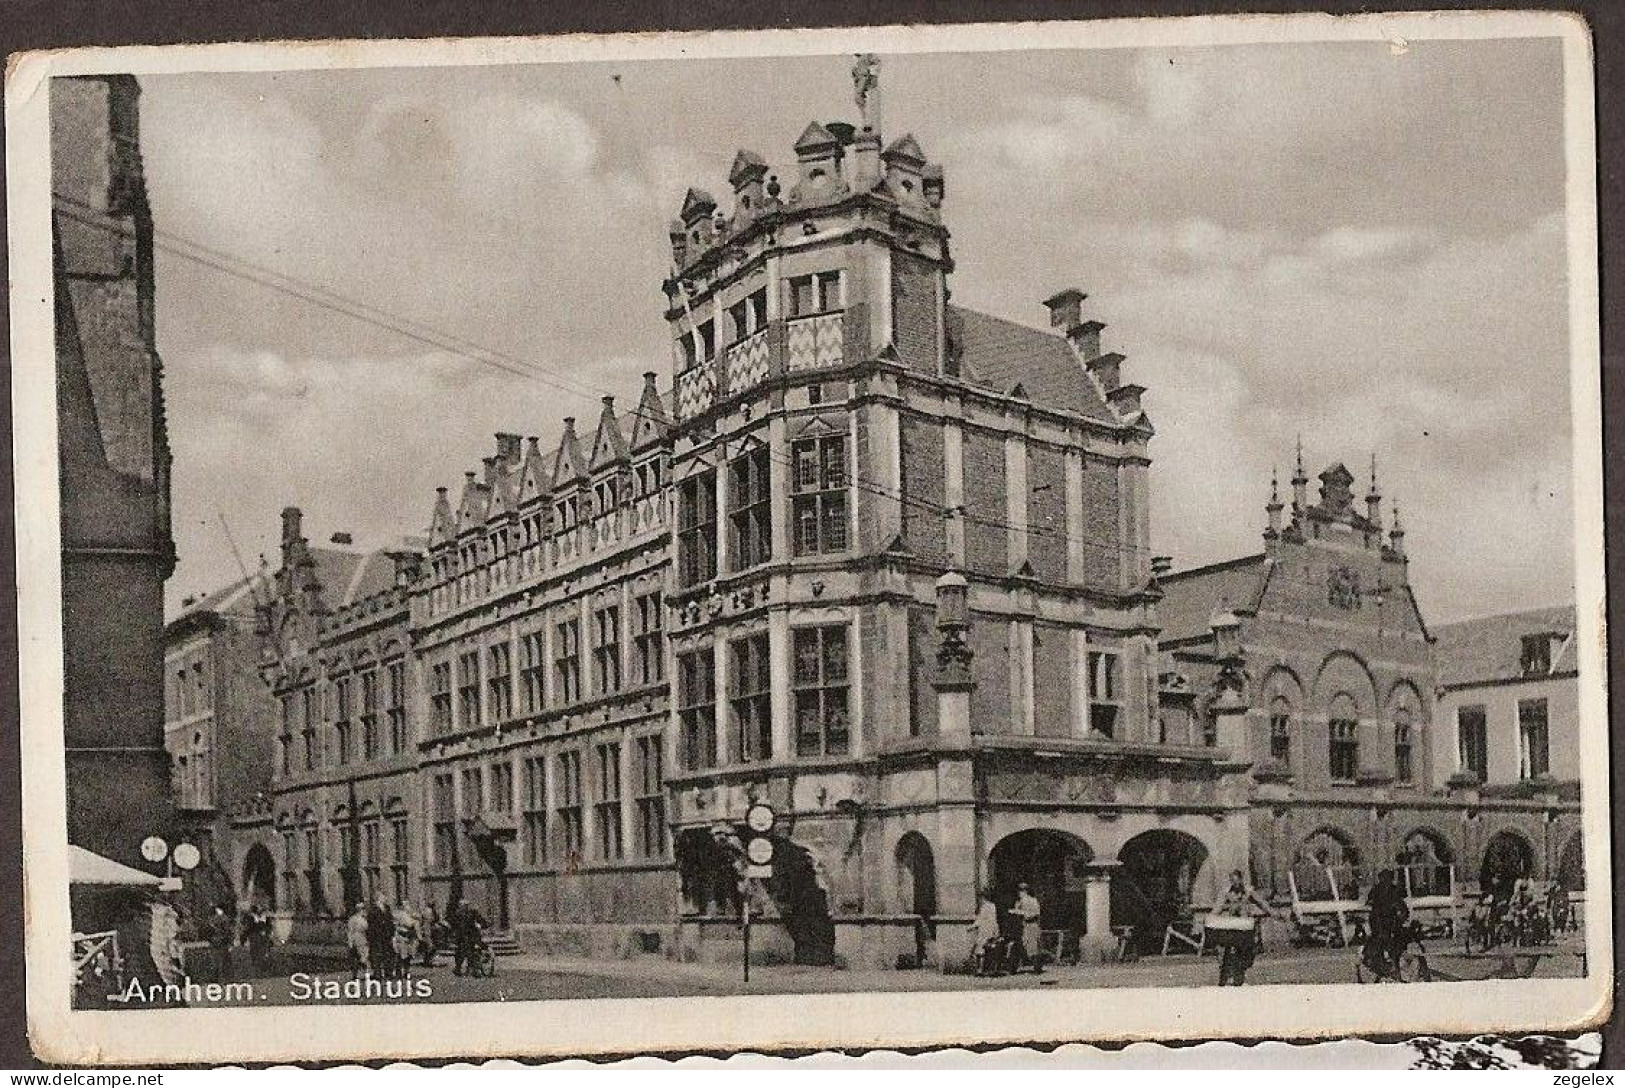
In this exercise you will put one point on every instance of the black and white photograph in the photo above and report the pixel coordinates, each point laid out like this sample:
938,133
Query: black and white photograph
896,529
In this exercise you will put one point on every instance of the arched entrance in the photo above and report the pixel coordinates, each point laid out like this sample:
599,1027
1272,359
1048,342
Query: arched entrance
1425,860
1571,865
259,878
1508,858
1052,864
1159,878
916,875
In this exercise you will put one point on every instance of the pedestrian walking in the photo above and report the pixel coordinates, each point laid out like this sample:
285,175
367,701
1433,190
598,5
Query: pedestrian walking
1233,926
466,926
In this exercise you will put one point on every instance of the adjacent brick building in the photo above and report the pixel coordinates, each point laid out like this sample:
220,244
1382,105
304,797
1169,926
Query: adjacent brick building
1312,663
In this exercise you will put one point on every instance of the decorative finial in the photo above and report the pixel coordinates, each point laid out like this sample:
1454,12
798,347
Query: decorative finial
1373,472
866,90
1300,475
1275,487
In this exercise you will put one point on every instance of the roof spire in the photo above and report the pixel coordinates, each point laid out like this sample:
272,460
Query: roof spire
1299,473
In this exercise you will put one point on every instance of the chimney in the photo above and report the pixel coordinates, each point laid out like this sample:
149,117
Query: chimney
490,464
292,525
508,447
342,538
1066,309
1161,565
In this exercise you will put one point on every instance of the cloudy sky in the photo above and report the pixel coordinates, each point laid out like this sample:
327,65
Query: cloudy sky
1364,247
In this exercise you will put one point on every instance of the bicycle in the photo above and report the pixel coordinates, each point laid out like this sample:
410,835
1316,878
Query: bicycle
1409,963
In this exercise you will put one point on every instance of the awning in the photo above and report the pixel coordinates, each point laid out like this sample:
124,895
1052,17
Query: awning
88,867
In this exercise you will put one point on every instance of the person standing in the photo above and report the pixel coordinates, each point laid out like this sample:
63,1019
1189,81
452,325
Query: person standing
355,931
1387,914
466,924
1026,908
380,936
985,928
430,929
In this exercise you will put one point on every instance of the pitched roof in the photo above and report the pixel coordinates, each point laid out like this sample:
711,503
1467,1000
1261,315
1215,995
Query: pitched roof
1001,354
372,573
233,599
1191,597
1490,648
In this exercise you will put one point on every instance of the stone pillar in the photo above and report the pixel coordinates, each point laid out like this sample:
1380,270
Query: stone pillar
1099,943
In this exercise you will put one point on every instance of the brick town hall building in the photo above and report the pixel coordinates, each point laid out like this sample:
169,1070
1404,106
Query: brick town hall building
876,559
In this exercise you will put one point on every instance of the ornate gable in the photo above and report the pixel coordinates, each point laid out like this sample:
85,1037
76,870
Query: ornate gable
569,465
608,445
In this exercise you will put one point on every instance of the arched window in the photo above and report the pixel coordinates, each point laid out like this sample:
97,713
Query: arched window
1404,763
1343,749
1281,730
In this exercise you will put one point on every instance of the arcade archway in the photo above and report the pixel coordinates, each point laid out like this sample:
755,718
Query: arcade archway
916,875
1426,863
1052,864
1508,858
1160,876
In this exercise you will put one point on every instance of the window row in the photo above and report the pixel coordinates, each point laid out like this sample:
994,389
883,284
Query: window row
820,683
365,716
482,685
1534,740
804,296
353,861
819,509
554,811
1343,742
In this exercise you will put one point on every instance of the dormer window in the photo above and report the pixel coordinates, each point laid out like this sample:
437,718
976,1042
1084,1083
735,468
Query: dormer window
815,294
1537,655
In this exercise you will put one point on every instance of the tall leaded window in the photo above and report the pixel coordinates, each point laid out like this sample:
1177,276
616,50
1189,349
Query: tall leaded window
1534,739
531,671
648,647
649,770
501,787
1281,730
535,818
567,661
370,736
750,698
499,681
395,707
697,528
606,814
697,708
440,698
568,785
468,690
399,858
473,790
750,521
1404,756
371,858
606,650
341,720
819,494
444,807
1343,751
307,733
821,688
815,294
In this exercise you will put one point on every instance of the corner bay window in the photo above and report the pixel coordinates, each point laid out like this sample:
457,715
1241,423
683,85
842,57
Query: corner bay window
697,528
820,681
697,708
814,294
750,697
818,499
750,519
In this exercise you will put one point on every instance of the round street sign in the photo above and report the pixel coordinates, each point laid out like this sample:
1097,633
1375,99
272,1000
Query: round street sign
154,849
187,856
759,851
759,818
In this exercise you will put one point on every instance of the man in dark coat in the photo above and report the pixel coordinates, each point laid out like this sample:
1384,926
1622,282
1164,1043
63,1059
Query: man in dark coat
466,924
1387,915
381,937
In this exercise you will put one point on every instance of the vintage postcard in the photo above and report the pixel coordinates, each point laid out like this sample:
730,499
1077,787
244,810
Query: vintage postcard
891,532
